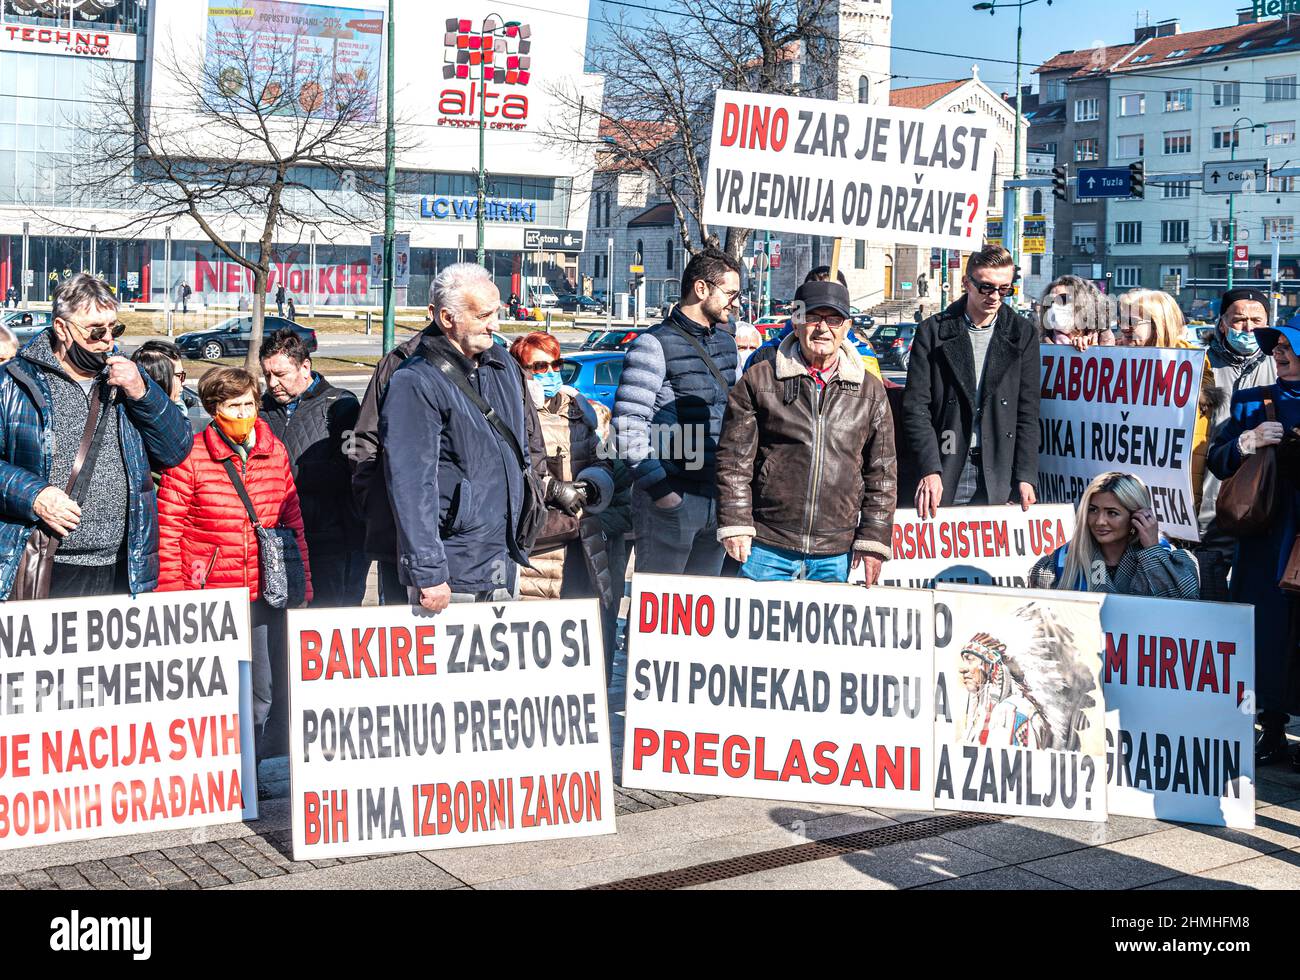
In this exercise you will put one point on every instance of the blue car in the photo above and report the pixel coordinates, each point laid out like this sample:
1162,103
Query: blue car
595,374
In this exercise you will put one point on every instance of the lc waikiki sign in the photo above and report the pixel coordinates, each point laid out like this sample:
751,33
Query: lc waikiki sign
496,59
466,209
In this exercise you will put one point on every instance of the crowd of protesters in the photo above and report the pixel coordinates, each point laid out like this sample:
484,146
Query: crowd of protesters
470,472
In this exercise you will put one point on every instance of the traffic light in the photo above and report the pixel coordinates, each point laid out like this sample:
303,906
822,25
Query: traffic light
637,280
1059,190
1137,177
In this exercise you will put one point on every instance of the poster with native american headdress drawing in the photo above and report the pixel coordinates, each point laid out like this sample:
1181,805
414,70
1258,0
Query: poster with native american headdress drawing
1020,720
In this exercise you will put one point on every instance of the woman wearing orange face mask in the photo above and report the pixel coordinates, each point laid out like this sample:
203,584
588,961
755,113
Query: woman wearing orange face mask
207,541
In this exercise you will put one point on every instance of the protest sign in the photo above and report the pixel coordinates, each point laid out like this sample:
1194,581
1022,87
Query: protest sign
1121,408
122,715
1020,724
484,724
1179,680
792,691
973,545
873,172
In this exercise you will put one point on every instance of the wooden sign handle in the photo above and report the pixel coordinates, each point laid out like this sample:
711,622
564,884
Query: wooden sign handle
835,259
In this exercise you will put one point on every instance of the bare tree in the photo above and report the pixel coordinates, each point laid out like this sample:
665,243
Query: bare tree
251,132
661,75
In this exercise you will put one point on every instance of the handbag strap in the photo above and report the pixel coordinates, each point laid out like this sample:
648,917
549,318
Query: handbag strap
233,473
458,377
91,440
699,349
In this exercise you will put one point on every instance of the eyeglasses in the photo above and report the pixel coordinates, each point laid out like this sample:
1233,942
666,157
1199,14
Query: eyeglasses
835,320
541,367
98,331
988,288
180,376
731,294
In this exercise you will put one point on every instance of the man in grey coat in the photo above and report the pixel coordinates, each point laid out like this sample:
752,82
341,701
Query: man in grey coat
1238,364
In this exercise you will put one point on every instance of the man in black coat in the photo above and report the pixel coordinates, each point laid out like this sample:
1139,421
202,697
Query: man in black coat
315,421
970,411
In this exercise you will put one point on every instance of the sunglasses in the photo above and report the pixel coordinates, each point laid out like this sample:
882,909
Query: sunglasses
541,367
98,332
835,320
988,288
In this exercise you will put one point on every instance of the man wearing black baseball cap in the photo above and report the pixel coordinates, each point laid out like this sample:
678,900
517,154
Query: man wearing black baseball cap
806,470
1234,358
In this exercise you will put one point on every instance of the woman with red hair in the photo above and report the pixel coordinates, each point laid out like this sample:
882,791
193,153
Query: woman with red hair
569,559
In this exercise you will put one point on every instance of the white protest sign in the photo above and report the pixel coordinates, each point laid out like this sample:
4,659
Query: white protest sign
1180,726
1020,724
873,172
791,691
1131,409
122,715
973,545
484,724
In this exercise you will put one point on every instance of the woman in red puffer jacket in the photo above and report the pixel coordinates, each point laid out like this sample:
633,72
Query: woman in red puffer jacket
206,540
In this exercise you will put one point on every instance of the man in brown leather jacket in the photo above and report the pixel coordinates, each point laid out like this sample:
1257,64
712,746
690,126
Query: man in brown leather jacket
806,468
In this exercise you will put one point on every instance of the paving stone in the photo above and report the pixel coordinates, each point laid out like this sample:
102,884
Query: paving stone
215,880
325,863
36,880
238,874
999,879
265,869
182,886
67,877
9,883
174,853
1275,871
116,885
1140,861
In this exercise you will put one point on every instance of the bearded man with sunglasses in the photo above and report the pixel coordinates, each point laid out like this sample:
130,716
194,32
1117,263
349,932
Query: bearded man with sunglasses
970,411
106,519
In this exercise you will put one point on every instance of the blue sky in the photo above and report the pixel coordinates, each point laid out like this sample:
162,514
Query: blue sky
952,26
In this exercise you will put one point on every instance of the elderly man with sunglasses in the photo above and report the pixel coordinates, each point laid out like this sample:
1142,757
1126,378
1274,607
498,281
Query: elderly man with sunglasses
82,428
970,411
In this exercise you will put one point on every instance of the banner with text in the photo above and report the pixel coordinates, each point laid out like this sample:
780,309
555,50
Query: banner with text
1131,409
1180,718
1020,721
484,724
973,545
873,172
793,691
123,715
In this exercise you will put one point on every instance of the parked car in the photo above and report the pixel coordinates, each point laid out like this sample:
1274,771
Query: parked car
893,344
776,319
861,318
595,374
618,339
573,303
25,331
230,337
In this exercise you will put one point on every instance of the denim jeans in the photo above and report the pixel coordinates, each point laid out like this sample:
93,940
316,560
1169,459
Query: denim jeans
681,540
768,564
339,578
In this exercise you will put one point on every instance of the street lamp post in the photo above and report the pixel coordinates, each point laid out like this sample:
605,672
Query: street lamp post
1010,207
390,192
1232,221
485,56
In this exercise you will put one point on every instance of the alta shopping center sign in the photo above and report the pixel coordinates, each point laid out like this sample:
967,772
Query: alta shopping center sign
77,42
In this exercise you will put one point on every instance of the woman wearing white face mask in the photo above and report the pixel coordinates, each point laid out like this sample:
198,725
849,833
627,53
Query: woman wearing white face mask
1074,311
748,340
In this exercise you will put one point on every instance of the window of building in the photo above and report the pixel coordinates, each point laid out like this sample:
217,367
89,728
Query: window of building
1128,276
1178,100
1282,228
1221,230
1178,142
1225,138
864,88
1038,202
1083,234
1177,188
1035,265
1054,90
1141,58
859,254
1130,146
1281,185
1086,110
668,255
1132,105
1176,54
1279,133
1227,93
1128,233
1173,232
1085,150
1279,88
1213,48
1050,149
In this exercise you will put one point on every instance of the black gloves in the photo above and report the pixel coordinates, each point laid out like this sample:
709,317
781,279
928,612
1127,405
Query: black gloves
572,497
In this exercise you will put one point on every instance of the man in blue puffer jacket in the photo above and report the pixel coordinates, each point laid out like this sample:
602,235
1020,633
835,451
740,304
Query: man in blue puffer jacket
109,535
668,420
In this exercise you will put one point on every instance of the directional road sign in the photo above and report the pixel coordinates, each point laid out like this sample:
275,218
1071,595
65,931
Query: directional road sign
1104,182
553,240
1236,177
